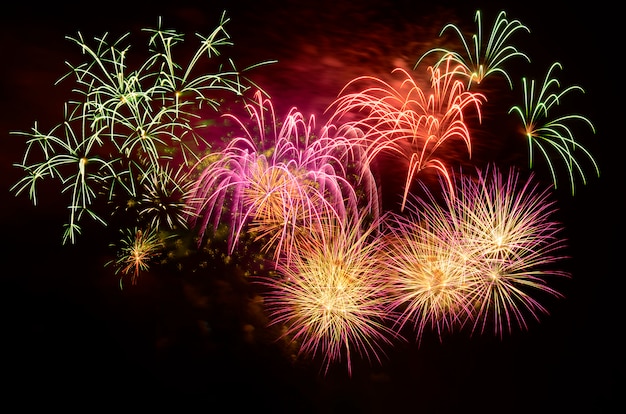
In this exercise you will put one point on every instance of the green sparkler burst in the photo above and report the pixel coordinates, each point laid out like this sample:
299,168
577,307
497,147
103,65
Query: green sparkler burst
482,59
549,135
128,121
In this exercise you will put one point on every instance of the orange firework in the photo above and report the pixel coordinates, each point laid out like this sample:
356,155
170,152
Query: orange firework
410,122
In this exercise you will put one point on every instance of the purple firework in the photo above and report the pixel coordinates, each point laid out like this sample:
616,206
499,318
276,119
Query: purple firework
279,178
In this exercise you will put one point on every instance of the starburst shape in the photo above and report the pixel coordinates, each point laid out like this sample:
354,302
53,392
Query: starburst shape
330,295
504,230
136,251
428,278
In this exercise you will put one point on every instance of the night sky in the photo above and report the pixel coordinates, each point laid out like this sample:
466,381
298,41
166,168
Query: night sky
71,337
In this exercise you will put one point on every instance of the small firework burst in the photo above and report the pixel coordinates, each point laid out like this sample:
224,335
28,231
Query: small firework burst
76,164
164,197
553,135
331,296
138,249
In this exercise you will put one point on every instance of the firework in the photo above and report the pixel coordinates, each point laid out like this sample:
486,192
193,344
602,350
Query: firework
278,180
124,120
409,122
504,232
428,277
71,161
164,198
330,296
552,135
137,250
481,60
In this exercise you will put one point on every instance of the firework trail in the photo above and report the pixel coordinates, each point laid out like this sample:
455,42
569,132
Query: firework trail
331,296
410,122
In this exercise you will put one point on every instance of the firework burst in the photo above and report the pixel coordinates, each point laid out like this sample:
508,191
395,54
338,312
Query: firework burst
481,60
164,199
138,249
125,120
409,122
279,180
428,277
552,135
330,295
504,232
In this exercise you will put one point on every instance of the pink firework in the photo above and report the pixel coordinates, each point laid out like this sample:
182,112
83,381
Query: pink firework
331,296
408,121
504,230
279,178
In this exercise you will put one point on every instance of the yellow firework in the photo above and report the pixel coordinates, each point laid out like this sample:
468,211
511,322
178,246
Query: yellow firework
138,249
428,278
330,295
503,227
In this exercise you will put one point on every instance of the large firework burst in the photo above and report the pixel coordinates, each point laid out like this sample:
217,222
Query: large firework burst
126,120
504,231
409,121
280,178
429,276
330,295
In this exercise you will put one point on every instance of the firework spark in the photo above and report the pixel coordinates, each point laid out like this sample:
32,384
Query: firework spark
330,295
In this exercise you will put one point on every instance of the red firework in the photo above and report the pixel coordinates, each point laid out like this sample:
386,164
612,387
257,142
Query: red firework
408,121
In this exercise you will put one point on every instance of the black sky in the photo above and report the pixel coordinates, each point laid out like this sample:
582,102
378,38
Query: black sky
70,332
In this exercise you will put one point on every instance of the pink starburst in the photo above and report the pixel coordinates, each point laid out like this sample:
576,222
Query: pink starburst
504,230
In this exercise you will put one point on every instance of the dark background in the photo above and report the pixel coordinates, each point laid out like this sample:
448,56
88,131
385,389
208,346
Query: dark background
72,338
